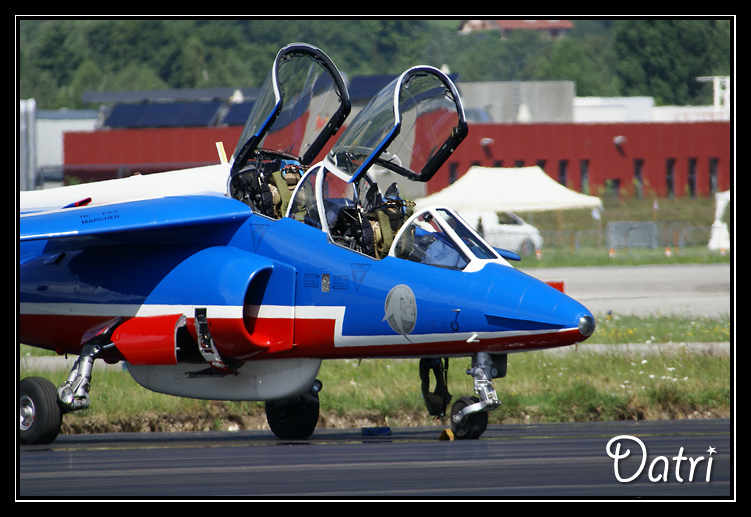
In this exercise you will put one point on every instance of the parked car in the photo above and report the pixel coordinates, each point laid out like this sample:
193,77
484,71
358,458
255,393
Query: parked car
505,230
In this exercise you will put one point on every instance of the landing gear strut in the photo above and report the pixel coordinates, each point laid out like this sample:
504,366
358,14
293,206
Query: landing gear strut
469,415
74,393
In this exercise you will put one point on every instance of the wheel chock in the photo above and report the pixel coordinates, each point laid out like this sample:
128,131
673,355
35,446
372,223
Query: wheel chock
446,435
376,431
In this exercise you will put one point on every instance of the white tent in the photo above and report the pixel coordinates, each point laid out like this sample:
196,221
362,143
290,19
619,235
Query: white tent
518,189
720,236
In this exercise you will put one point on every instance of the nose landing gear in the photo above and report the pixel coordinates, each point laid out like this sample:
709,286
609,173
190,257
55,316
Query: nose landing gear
471,425
469,415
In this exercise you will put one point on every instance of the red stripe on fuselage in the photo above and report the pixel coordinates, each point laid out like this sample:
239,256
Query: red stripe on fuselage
57,332
271,337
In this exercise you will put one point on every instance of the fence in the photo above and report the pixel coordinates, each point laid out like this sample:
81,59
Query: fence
632,235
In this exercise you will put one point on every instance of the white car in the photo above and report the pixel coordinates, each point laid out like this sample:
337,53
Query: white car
505,230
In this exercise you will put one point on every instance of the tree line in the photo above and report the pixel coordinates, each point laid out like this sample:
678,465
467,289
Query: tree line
59,59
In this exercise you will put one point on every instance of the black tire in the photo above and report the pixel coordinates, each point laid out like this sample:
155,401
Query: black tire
471,426
40,414
293,419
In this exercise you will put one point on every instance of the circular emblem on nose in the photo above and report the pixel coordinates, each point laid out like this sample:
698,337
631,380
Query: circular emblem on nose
401,309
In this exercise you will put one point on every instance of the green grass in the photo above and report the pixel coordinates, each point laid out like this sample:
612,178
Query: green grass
595,257
538,387
583,387
655,329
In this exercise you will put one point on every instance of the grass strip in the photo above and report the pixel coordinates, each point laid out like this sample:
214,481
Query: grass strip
539,387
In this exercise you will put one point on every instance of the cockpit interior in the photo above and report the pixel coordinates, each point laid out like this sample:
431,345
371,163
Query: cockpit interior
410,127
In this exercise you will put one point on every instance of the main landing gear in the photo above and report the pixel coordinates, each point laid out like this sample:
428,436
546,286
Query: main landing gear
295,418
40,414
41,405
469,415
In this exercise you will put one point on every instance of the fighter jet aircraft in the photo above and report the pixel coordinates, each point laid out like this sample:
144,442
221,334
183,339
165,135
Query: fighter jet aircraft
235,281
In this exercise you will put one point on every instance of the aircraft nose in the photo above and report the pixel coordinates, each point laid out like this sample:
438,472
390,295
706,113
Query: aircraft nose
521,303
571,314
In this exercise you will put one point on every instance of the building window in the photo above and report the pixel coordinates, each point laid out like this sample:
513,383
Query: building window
669,178
638,179
541,164
518,163
562,170
692,177
713,175
498,163
584,176
612,188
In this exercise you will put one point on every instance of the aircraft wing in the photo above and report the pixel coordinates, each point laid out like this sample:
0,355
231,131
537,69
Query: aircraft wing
132,221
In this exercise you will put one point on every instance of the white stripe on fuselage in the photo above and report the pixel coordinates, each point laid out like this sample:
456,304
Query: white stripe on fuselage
127,310
268,312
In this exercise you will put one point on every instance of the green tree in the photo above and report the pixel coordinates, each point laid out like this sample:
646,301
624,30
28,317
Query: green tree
88,76
484,56
135,77
587,62
33,82
662,58
61,58
54,53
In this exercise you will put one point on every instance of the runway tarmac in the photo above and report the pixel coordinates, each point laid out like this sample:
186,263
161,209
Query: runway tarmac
559,461
697,290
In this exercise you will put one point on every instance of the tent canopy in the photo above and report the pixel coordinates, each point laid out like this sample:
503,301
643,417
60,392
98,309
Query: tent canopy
719,239
518,189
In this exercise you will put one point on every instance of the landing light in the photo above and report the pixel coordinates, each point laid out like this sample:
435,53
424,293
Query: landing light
586,325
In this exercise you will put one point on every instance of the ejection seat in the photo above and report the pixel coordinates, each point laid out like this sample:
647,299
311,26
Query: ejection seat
281,184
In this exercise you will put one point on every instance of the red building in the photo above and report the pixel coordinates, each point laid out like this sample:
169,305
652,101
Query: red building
667,159
678,159
112,153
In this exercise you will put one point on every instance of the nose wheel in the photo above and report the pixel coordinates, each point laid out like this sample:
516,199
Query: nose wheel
469,415
470,426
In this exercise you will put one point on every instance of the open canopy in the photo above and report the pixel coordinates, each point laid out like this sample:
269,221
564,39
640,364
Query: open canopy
518,189
302,104
410,127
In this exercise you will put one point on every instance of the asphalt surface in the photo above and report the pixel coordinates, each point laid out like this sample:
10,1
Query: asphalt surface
697,290
558,461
